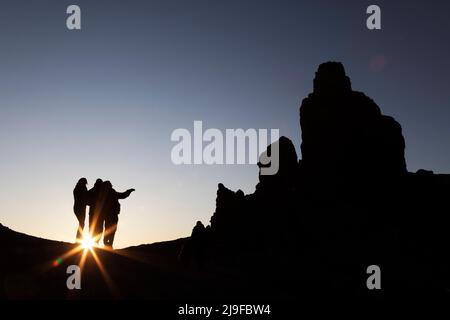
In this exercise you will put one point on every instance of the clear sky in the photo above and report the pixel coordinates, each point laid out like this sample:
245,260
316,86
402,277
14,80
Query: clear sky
103,101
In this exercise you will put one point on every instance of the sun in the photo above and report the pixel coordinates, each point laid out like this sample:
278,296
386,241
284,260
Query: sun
87,243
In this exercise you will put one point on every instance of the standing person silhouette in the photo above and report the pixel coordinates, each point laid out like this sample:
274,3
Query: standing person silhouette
111,210
80,196
95,218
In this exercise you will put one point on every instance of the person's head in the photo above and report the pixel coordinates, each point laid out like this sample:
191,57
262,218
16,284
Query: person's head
98,183
82,182
107,185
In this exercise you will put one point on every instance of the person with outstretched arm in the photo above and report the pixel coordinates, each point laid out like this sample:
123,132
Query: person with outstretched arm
111,212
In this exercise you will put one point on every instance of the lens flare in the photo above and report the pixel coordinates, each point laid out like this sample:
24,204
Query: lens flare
57,262
88,243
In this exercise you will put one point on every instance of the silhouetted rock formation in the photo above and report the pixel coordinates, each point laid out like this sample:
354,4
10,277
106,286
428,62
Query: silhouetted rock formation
347,204
286,177
241,213
344,134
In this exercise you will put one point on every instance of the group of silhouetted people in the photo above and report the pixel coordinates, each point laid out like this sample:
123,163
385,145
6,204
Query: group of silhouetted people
104,209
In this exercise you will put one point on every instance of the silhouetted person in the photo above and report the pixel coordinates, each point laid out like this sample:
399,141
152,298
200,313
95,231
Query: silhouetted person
111,210
79,207
95,218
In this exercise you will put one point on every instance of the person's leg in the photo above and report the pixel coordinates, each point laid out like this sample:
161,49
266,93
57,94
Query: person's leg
113,230
110,230
106,235
91,224
99,229
81,216
80,230
93,221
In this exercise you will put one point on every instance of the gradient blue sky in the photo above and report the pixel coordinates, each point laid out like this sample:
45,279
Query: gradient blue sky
103,101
